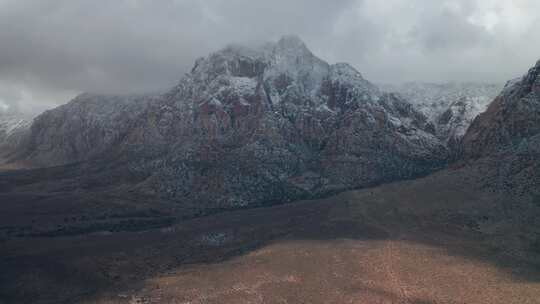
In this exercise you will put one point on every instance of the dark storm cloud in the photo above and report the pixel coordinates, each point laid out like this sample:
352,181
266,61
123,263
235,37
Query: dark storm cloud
52,49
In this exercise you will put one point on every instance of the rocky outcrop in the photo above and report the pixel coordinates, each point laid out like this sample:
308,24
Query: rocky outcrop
247,127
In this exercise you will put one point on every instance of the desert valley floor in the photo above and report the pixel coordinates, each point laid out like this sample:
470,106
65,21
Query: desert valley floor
397,243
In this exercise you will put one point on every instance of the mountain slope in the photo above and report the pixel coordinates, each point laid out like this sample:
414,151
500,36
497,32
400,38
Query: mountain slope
85,127
511,122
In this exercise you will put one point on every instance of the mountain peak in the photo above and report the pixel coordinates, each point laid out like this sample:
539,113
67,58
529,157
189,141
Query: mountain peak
288,56
291,41
292,45
289,44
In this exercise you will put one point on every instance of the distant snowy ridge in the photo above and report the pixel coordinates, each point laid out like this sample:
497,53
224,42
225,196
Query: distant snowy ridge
451,107
13,126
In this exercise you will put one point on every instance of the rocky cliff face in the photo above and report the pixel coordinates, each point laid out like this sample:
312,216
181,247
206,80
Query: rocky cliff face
247,127
451,107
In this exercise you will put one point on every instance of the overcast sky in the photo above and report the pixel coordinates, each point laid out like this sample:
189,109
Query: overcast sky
51,50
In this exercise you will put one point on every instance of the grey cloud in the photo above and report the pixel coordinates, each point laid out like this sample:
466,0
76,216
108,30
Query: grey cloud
53,49
449,31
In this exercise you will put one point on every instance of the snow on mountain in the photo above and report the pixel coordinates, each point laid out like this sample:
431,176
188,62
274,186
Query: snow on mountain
451,107
10,123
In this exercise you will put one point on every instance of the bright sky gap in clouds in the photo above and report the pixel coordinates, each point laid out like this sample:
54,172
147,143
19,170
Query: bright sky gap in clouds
51,50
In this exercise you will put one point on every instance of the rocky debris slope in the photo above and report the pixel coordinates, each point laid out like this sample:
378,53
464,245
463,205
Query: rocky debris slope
247,127
451,107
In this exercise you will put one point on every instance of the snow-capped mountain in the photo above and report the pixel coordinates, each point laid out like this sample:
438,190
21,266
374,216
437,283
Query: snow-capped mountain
451,107
247,126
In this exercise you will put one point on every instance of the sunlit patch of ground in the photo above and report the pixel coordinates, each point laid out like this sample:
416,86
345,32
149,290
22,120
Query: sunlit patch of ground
341,271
